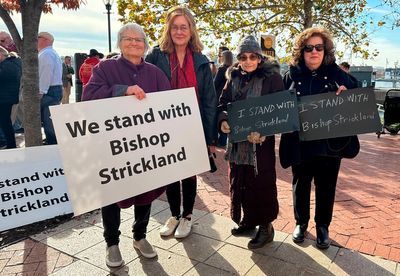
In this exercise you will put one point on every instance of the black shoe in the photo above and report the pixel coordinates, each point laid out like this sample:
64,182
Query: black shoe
265,234
242,230
299,233
323,241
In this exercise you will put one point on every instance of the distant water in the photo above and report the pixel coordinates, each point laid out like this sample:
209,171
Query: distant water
386,84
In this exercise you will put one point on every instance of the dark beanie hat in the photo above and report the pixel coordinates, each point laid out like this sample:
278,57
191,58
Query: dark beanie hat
249,45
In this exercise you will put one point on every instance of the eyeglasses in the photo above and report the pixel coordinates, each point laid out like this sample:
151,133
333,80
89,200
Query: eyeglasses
252,57
182,28
132,39
310,48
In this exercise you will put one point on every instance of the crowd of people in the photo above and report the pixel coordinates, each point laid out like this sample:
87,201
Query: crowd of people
177,62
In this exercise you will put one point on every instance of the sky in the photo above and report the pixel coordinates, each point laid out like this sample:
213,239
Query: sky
86,28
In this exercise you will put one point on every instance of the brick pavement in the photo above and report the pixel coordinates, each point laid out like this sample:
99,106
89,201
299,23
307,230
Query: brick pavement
366,215
367,207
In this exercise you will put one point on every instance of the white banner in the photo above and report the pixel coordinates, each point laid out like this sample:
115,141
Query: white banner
32,186
116,148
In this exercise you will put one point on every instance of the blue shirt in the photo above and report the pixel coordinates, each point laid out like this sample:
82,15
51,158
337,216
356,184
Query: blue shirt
50,69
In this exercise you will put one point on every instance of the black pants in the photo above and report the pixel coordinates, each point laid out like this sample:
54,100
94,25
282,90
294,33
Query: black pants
6,125
324,171
112,219
189,188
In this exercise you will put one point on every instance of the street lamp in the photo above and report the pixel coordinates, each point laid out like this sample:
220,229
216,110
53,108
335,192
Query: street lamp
108,4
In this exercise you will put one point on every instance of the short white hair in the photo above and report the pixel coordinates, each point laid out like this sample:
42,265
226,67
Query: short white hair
136,28
46,35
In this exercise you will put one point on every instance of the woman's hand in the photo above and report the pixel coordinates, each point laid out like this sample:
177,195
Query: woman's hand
137,91
255,138
340,89
225,127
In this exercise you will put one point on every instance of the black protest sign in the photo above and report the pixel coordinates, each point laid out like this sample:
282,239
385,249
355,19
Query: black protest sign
269,114
328,115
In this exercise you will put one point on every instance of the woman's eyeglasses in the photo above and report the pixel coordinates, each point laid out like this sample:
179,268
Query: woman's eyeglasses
133,39
310,48
252,57
182,28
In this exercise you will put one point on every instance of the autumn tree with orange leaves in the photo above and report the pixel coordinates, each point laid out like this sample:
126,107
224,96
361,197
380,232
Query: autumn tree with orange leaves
31,11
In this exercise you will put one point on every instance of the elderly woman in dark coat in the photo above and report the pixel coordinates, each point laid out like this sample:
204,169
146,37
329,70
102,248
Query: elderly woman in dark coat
313,71
252,169
124,75
10,77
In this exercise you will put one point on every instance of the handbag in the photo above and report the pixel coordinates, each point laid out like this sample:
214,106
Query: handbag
344,147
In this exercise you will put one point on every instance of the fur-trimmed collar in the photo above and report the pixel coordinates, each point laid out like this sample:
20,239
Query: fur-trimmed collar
267,68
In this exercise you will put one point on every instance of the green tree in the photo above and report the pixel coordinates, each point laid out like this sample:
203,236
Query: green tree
31,11
219,19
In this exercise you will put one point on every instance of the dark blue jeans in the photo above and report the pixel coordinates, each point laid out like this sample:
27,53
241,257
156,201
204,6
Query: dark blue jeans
53,97
111,215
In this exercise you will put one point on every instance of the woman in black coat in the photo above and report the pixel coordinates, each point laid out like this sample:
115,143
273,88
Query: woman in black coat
252,163
313,70
10,76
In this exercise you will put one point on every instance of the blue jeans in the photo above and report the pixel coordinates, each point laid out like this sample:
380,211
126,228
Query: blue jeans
53,97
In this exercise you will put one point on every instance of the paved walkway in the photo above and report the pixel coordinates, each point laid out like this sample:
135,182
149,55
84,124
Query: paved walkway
77,248
366,222
367,208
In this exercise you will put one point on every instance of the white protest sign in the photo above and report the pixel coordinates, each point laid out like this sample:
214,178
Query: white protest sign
116,148
32,186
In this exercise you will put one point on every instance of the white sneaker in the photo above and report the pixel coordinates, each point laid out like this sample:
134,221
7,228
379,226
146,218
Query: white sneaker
145,248
169,228
183,229
113,256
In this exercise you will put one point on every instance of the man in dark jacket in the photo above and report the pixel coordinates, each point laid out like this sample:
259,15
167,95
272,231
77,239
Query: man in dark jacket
10,76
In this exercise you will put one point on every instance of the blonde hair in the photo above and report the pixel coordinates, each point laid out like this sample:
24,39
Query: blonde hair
301,40
166,43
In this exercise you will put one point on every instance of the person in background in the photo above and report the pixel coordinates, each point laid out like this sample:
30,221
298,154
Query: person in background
7,42
345,66
127,75
252,172
67,73
50,82
10,78
219,83
179,57
85,71
17,113
220,50
313,70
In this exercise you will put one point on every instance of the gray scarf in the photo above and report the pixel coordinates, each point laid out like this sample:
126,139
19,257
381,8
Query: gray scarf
244,153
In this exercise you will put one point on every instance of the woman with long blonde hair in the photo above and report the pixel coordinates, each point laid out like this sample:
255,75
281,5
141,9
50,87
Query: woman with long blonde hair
179,56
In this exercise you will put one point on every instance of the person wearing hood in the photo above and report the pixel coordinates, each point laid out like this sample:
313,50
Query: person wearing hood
252,163
85,71
179,57
313,71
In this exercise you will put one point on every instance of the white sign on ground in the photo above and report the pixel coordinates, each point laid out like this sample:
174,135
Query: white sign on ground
32,186
116,148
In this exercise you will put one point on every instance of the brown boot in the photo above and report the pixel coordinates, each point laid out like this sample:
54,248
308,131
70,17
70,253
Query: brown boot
265,234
